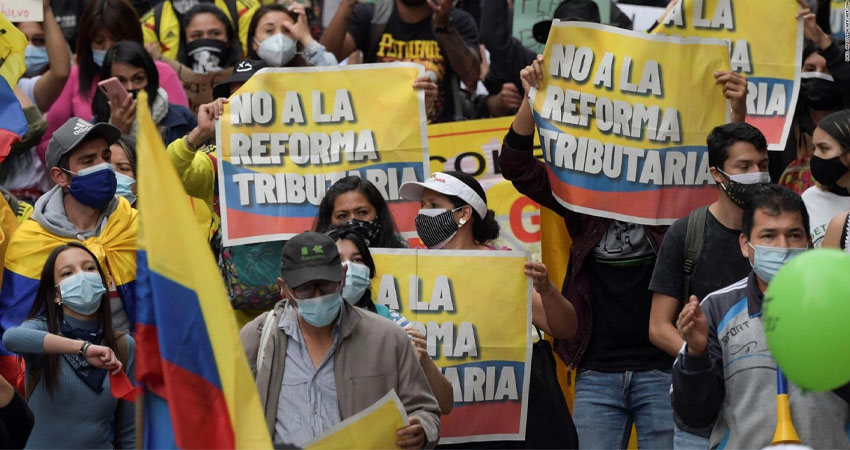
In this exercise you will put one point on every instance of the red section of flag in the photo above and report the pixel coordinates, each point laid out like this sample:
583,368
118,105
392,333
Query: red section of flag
121,387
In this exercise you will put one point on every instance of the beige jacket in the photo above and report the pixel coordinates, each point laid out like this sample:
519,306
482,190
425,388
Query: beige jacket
374,356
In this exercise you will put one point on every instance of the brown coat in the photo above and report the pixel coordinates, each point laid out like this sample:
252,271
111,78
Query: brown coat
374,356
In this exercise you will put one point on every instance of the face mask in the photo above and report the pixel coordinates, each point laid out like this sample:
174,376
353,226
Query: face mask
356,282
820,91
82,292
36,60
124,187
369,229
320,311
98,56
413,2
742,186
277,50
827,171
769,260
94,186
207,55
436,227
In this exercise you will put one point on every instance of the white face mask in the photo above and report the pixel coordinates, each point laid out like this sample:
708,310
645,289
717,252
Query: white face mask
277,50
748,178
356,281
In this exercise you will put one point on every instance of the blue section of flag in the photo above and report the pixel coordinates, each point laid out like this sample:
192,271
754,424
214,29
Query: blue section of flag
17,295
176,313
12,117
158,430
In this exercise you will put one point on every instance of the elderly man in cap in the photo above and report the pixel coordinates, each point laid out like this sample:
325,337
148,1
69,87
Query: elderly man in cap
318,360
81,207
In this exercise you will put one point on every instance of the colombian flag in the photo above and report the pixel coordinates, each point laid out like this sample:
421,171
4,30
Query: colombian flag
13,124
198,390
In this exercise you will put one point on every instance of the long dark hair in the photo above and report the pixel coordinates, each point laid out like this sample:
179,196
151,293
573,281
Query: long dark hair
118,17
349,233
837,125
132,54
387,236
485,229
232,39
44,307
297,61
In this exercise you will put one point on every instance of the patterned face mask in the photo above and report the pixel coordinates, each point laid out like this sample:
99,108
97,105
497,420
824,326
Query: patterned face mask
436,227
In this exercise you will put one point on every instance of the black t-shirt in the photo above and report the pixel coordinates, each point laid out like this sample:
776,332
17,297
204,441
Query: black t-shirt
720,262
620,269
414,42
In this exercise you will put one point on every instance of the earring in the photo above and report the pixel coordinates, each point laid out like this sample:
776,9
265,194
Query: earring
462,223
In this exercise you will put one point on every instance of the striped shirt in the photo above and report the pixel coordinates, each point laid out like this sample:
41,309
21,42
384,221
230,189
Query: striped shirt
307,405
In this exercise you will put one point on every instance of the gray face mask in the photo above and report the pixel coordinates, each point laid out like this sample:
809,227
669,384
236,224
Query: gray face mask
277,50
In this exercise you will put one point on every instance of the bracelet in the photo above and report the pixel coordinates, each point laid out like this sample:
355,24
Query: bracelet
191,146
84,348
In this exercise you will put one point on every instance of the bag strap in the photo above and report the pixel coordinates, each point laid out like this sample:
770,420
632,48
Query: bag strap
268,326
118,419
380,17
157,19
694,238
234,15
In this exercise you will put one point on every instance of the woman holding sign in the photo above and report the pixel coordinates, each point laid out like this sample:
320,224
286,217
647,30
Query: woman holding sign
454,216
69,345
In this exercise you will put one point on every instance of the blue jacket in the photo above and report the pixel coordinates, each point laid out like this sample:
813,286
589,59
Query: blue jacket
179,121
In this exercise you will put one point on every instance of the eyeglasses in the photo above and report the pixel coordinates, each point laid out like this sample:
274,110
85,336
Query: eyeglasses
306,290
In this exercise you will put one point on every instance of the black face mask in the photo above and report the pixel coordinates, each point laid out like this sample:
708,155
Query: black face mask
367,229
413,2
820,94
827,171
207,55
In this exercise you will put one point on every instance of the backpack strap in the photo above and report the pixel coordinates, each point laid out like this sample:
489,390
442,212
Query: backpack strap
694,238
268,327
234,16
157,20
380,17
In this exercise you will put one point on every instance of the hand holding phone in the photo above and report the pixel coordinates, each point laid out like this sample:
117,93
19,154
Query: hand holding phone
112,88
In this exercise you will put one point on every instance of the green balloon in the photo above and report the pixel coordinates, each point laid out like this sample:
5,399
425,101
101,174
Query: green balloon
805,313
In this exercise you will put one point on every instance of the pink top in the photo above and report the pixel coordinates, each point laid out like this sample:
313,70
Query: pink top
72,103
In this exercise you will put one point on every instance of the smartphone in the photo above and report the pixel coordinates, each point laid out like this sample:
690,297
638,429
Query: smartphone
113,88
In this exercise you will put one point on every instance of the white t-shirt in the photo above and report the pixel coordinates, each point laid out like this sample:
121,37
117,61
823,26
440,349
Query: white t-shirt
822,206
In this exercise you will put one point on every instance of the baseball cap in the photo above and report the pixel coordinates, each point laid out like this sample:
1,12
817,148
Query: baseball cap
244,70
578,10
310,256
447,185
72,133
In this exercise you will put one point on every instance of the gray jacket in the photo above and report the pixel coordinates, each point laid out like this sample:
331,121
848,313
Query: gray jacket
734,382
374,356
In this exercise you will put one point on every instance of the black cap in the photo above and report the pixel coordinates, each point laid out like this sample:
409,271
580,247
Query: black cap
577,10
74,131
244,70
310,256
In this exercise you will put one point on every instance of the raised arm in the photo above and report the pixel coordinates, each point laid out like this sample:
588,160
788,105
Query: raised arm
49,86
336,38
463,58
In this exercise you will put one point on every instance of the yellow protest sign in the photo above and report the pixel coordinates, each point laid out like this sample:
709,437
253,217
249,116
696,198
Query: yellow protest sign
473,146
290,133
765,44
374,427
477,330
622,118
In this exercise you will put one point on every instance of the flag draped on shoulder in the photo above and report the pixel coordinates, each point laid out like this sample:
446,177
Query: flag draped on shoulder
198,389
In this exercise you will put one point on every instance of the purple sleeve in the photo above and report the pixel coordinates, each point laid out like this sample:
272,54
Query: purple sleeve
526,172
169,81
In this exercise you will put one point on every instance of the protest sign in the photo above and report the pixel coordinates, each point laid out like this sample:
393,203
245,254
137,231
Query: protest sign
289,133
623,118
374,427
22,10
529,12
765,44
477,330
472,146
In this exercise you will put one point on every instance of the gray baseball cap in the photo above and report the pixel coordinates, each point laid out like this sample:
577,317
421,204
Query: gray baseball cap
72,133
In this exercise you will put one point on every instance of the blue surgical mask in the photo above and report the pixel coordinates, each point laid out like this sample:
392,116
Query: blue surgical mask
356,281
36,60
768,260
125,187
82,292
320,311
94,186
277,50
98,56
